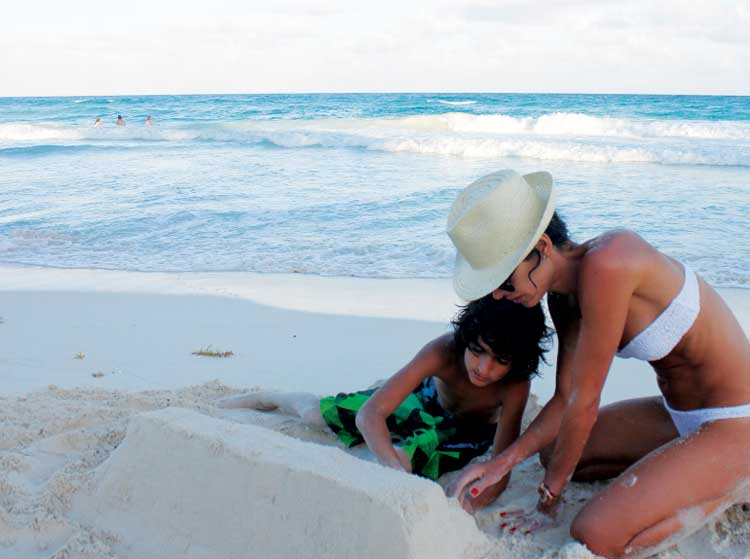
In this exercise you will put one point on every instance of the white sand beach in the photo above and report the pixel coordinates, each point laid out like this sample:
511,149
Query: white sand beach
84,353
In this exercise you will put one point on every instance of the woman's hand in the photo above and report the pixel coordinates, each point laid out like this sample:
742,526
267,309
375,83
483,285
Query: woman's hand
488,496
524,522
477,478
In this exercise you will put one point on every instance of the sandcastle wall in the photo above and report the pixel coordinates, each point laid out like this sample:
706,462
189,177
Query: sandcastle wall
186,485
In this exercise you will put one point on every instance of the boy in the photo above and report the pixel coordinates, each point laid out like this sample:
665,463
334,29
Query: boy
462,393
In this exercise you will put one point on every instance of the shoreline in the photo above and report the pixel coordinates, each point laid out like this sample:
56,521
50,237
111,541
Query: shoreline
287,331
377,297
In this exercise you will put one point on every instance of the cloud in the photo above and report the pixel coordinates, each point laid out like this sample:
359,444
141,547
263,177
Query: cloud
290,45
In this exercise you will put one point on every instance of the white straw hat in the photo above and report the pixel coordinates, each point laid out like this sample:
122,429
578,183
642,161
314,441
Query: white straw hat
494,223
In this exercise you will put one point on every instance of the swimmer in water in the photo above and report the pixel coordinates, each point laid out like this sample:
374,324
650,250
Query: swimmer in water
120,121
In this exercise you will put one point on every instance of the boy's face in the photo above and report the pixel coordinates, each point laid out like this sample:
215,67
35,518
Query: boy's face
483,367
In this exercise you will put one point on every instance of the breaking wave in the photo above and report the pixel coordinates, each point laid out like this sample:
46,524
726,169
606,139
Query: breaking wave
553,136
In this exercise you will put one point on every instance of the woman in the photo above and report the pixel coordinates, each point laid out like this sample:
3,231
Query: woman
682,458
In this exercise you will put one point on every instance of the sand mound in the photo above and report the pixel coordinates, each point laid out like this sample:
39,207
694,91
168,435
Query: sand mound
51,442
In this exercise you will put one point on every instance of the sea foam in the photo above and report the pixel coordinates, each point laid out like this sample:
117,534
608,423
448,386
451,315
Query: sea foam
553,137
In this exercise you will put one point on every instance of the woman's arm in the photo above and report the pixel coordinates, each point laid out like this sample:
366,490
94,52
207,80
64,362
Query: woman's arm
371,418
543,430
508,429
605,287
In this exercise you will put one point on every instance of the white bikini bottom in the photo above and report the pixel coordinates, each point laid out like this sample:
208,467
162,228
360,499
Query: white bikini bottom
690,421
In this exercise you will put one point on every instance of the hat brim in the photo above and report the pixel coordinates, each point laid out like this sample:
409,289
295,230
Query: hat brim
471,284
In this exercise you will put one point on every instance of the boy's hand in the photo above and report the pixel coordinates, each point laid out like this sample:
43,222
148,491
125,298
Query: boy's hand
399,460
403,458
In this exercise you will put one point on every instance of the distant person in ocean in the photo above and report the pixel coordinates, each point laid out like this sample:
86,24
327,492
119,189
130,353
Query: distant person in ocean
149,121
680,458
98,122
120,121
463,393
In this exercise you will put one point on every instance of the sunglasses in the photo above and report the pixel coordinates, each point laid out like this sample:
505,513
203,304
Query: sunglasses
507,285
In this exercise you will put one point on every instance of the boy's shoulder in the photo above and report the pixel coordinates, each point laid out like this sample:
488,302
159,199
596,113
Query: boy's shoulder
443,350
443,347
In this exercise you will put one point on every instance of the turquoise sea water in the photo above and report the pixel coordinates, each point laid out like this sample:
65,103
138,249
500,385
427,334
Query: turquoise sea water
359,184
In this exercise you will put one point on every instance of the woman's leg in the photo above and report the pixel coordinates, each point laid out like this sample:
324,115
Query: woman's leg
624,433
671,492
302,404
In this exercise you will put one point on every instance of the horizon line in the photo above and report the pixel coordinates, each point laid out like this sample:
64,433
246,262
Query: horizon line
396,92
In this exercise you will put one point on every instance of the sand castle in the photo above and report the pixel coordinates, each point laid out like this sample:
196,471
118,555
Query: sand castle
187,485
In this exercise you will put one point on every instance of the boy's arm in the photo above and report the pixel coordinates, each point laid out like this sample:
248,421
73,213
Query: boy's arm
511,414
508,429
371,418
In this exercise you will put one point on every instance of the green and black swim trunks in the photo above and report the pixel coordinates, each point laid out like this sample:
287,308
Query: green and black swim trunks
435,441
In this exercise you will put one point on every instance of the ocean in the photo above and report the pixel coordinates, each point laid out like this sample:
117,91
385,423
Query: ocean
359,184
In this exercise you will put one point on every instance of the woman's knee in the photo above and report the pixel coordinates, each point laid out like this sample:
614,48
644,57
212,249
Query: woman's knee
599,536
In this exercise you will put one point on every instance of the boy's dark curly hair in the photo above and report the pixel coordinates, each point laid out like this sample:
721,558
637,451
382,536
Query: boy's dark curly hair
516,334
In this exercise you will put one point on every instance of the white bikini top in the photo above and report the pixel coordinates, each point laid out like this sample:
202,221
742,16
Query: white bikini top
663,334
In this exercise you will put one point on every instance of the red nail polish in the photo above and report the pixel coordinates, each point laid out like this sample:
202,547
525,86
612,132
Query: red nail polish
503,525
527,532
513,529
503,514
474,492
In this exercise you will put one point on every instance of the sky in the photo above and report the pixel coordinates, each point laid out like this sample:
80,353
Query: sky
87,47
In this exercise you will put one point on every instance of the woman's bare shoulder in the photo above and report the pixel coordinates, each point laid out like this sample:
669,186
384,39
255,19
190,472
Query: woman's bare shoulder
610,252
618,253
615,244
